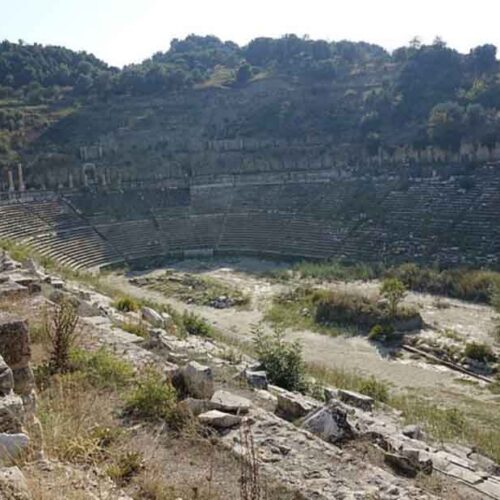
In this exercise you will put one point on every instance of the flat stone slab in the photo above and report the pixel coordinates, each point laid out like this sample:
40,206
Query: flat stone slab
228,402
356,399
292,406
219,419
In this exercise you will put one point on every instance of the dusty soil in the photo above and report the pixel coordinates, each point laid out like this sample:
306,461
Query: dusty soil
352,353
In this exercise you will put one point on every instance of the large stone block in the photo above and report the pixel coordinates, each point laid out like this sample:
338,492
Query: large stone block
12,445
13,485
6,378
330,423
11,413
198,380
15,345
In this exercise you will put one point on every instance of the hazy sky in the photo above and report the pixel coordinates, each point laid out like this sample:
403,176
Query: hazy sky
125,31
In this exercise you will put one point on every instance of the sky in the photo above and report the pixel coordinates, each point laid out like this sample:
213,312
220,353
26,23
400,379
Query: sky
125,31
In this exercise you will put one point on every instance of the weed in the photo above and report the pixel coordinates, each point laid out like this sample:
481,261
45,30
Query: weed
152,398
195,325
102,369
479,352
282,360
62,334
126,304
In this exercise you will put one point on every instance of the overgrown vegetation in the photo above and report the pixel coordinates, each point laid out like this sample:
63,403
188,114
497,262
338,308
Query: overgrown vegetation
195,325
126,304
61,330
202,290
333,311
152,398
281,359
465,284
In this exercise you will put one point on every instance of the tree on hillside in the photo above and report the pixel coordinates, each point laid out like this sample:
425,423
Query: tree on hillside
446,125
394,291
243,74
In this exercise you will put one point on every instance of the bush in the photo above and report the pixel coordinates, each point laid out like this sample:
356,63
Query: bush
62,333
375,389
126,304
102,369
125,466
381,332
479,352
353,309
195,325
282,360
465,284
394,291
153,398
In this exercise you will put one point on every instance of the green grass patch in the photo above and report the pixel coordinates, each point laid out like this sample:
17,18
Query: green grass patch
351,381
334,312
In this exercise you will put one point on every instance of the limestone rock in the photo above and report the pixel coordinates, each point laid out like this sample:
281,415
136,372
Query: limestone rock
13,484
256,379
152,317
6,378
227,402
12,445
14,341
412,431
292,406
330,423
199,380
195,406
219,419
24,380
11,413
356,399
400,464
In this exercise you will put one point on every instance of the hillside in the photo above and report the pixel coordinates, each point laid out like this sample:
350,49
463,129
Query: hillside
353,99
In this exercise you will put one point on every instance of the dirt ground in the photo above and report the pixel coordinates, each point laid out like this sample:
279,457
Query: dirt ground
355,353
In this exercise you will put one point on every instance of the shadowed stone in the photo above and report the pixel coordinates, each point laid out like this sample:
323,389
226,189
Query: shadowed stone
14,341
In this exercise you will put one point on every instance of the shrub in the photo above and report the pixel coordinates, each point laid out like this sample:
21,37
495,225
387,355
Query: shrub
394,291
61,330
195,325
479,352
125,466
102,368
375,389
381,332
465,284
153,398
282,360
126,304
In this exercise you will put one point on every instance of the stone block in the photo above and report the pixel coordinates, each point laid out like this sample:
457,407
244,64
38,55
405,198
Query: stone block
24,380
356,399
152,317
6,378
12,445
198,380
292,405
14,341
256,379
219,419
330,424
13,485
11,413
227,402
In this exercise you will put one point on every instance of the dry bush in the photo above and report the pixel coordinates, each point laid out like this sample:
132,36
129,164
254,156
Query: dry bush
62,333
250,484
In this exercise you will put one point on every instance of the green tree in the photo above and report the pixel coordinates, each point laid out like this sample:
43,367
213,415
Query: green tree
243,74
394,291
446,124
